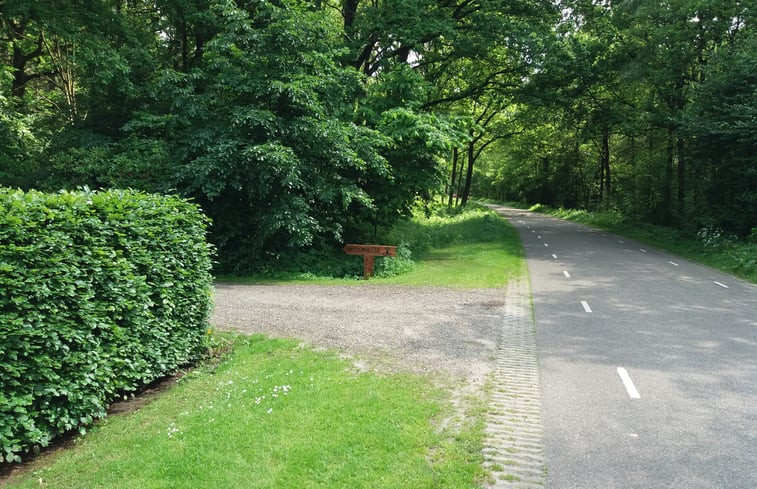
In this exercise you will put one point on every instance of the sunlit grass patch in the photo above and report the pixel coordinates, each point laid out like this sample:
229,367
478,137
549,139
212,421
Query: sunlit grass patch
471,265
276,415
468,248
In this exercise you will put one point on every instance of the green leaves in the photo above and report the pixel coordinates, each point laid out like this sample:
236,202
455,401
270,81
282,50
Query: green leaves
293,124
100,293
262,133
643,107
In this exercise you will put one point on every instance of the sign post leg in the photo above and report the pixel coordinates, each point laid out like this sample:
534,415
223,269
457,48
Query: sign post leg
367,266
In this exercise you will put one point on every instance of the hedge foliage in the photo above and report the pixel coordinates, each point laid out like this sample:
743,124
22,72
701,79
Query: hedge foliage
100,293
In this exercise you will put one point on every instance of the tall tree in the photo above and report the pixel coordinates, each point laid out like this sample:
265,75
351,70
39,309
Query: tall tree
722,121
624,80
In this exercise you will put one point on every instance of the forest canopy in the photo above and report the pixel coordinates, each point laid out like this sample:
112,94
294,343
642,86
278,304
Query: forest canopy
299,125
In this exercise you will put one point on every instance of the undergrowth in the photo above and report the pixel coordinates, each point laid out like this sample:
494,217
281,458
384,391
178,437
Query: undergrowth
433,227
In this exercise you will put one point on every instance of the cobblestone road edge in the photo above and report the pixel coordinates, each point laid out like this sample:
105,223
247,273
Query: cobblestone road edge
513,446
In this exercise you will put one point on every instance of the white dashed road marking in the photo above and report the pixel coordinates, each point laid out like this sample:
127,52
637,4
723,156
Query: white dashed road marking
554,256
722,285
673,263
567,275
628,383
586,306
642,250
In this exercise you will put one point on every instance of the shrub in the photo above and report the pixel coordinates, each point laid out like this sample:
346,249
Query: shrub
753,235
396,265
445,227
100,293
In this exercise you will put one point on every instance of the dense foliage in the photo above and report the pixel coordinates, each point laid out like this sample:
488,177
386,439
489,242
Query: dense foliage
252,108
100,293
301,124
643,107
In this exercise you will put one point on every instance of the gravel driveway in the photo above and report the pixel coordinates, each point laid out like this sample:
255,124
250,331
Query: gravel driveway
392,328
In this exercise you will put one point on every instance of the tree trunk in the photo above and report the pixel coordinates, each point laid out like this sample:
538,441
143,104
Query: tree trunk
459,185
18,86
349,11
61,56
469,173
20,59
601,177
604,173
184,46
667,185
454,175
681,176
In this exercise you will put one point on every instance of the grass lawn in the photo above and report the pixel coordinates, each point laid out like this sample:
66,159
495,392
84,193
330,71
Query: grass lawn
473,249
469,265
274,415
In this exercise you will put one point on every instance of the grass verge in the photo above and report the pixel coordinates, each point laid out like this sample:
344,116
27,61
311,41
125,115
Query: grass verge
462,248
273,414
467,266
709,247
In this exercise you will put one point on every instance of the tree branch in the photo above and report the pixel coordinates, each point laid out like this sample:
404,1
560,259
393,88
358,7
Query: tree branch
496,138
489,82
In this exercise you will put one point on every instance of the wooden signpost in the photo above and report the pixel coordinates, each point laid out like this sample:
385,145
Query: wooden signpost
368,252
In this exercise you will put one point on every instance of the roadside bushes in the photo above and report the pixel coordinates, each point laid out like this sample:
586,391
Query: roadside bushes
438,226
100,293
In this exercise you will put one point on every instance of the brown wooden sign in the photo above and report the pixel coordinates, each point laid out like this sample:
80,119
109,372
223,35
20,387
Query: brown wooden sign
369,252
372,250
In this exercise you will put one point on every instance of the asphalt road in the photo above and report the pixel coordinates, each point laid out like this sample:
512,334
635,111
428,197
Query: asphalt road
648,363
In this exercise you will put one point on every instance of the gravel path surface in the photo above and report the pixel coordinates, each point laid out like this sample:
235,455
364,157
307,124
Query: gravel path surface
394,328
470,336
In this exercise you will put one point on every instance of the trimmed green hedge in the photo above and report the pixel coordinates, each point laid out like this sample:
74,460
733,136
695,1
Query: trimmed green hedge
100,293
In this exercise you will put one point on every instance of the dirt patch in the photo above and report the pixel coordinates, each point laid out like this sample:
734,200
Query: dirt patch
394,328
449,335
